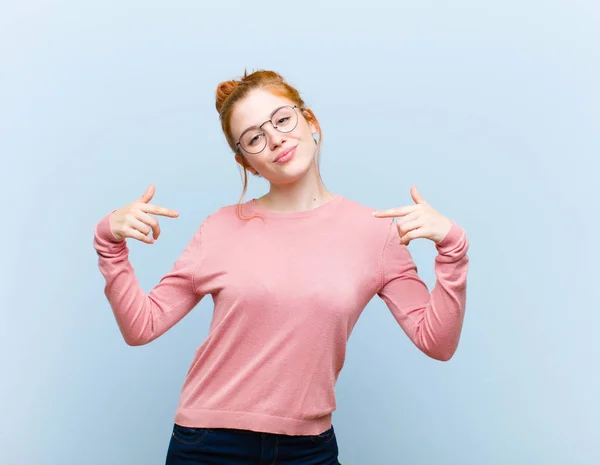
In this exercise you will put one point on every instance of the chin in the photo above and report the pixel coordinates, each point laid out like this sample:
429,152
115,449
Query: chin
295,169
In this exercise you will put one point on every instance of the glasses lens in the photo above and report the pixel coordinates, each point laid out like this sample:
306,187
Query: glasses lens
253,141
285,119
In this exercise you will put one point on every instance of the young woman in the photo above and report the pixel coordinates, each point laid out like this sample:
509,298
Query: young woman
289,273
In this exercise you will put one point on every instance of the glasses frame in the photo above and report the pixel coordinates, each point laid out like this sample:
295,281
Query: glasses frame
293,107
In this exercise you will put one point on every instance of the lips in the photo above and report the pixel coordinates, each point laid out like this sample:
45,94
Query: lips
283,154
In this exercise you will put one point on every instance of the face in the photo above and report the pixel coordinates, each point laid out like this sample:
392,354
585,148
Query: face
253,111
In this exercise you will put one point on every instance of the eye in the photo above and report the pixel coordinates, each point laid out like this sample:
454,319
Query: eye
255,139
282,121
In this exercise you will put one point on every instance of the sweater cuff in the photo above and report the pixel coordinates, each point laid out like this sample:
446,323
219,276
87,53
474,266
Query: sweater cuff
451,240
103,230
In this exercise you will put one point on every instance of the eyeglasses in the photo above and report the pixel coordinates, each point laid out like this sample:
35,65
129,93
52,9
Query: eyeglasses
254,140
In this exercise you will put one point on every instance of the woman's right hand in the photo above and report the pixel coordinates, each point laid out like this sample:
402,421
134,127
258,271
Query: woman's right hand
134,220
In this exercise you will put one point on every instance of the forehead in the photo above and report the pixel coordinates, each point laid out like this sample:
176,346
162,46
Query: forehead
254,109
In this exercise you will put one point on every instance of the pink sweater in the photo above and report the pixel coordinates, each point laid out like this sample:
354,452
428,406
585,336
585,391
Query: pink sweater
287,291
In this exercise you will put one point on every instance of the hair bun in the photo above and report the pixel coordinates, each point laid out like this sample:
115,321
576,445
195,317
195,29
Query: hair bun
224,90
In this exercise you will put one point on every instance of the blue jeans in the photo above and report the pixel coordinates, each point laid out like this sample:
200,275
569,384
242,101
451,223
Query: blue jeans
224,446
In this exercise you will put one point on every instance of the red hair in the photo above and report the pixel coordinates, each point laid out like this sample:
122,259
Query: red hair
230,92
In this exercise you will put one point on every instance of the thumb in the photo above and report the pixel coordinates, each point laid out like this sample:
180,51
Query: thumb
416,196
147,196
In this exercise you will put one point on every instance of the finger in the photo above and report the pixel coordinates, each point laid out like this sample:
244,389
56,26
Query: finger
407,218
409,236
150,221
156,210
147,196
416,196
405,228
135,234
392,212
140,226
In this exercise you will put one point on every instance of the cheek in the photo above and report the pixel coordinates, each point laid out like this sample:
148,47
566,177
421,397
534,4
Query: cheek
252,164
303,134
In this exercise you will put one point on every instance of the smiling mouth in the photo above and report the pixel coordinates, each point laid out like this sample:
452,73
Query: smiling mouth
284,154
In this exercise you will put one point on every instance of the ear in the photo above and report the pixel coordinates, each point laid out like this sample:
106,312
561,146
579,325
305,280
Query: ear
313,124
241,161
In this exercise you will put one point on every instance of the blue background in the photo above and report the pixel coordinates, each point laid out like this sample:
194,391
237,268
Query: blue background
491,109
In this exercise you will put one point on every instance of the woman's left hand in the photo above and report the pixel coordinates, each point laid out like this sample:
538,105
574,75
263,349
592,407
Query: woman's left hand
419,220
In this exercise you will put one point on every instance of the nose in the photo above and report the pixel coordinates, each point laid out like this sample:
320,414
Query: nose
275,137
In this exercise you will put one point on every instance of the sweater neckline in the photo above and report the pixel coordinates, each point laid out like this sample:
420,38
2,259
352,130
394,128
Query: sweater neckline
316,211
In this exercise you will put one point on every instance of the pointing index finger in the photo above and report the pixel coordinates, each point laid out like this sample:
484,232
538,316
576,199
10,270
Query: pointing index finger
162,211
393,212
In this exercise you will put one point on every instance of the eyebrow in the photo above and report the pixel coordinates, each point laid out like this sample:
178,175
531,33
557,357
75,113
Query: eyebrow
270,117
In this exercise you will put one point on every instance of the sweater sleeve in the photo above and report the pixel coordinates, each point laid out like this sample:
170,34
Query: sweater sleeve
144,317
432,320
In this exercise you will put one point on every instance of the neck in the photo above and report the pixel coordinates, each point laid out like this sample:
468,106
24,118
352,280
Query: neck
304,194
